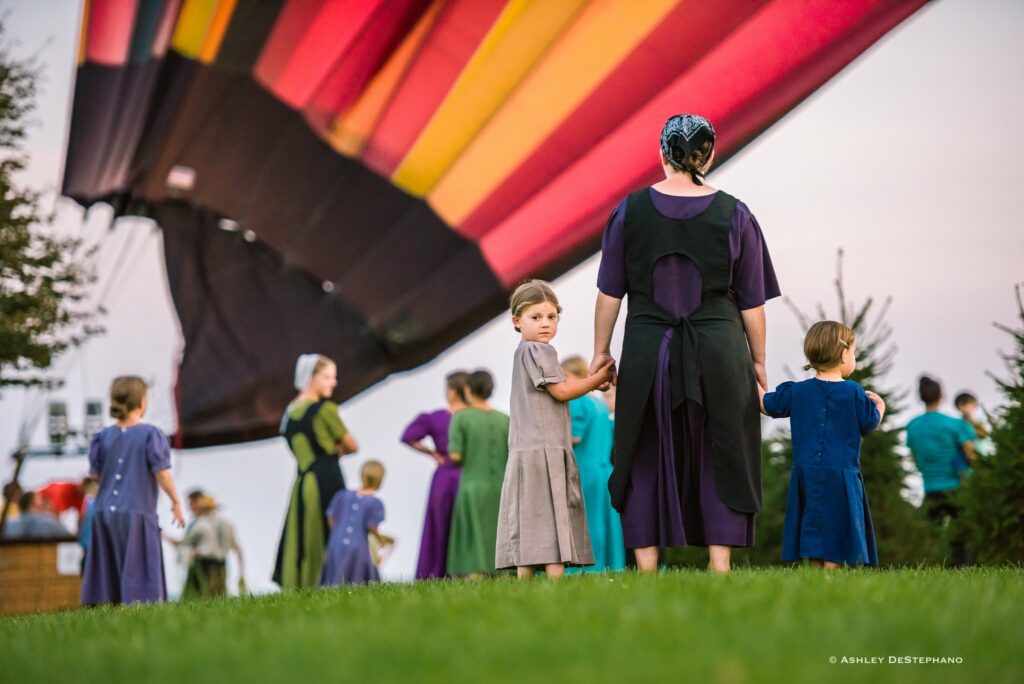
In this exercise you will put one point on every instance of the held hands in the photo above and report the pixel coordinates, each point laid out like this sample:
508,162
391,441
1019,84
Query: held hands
604,362
762,376
605,374
438,458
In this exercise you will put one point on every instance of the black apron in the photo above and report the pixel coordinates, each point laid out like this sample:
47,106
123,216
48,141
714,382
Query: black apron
709,357
325,468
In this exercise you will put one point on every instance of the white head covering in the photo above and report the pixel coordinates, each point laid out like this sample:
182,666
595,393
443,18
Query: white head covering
304,369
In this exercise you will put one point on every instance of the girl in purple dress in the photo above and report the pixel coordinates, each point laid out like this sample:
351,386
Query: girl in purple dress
696,270
445,484
354,517
132,459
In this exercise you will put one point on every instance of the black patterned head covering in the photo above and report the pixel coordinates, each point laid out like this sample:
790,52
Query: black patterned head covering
682,134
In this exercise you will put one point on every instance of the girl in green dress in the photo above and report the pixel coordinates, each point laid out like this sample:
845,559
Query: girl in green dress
478,443
317,437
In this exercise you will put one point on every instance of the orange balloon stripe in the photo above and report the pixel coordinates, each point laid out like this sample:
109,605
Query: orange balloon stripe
351,131
361,60
658,60
218,27
453,40
773,61
304,47
525,30
83,31
600,37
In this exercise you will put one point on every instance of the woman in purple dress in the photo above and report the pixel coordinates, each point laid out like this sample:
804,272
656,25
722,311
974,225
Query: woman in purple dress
445,484
132,459
695,266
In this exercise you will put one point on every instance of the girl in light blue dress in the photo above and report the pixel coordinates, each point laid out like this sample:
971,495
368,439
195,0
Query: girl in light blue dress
592,432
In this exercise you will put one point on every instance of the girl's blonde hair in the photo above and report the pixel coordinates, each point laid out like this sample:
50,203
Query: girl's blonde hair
575,366
529,293
824,344
372,474
126,395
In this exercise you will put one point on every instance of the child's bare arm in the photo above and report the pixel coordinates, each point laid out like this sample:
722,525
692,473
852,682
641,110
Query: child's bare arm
577,387
166,482
382,538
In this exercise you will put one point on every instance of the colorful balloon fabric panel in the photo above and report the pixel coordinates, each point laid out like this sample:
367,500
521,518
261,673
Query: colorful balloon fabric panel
369,178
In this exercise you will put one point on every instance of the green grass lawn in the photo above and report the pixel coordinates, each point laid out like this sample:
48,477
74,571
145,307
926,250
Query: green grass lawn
680,626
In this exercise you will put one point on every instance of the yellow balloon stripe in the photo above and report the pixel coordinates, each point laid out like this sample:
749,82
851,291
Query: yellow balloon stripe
350,132
218,27
523,32
193,25
603,35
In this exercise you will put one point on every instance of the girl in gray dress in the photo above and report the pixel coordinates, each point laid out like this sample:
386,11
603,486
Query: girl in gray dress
541,521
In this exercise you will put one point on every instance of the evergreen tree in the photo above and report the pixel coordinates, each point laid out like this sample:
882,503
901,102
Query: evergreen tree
992,500
43,276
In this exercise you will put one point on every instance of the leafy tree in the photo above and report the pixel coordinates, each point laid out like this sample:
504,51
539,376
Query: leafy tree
43,276
992,500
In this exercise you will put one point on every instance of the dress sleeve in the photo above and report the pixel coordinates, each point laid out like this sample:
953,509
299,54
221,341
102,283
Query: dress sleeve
158,451
581,413
541,362
375,516
611,275
753,276
779,404
331,414
456,438
868,416
417,430
96,454
334,507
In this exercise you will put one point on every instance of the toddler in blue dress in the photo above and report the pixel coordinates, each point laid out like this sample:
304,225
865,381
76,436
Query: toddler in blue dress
828,520
354,517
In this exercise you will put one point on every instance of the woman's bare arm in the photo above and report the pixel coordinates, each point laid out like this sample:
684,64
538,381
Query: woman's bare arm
754,325
606,313
347,445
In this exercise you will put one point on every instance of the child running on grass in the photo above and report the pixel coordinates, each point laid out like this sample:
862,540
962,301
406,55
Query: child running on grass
354,517
827,516
542,522
124,562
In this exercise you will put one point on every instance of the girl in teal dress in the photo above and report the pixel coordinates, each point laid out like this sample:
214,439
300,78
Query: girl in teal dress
592,430
317,437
